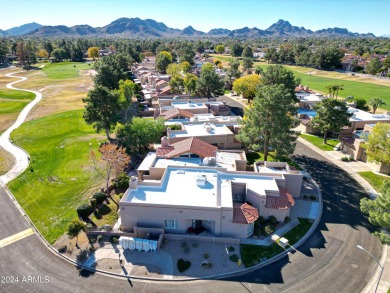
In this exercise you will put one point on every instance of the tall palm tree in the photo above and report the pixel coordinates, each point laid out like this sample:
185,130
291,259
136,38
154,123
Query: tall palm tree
375,103
338,88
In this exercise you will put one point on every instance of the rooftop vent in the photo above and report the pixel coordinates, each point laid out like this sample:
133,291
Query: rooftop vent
201,180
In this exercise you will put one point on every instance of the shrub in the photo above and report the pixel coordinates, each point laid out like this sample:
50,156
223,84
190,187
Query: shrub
114,240
207,265
268,230
62,249
82,255
313,197
84,211
183,265
121,182
195,245
234,258
261,220
345,159
272,220
231,249
99,238
206,255
257,231
287,220
93,203
305,197
100,197
92,240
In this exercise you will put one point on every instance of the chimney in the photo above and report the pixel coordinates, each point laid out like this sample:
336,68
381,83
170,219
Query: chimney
133,182
164,142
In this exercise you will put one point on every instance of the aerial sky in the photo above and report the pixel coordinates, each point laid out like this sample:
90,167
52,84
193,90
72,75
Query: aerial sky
360,16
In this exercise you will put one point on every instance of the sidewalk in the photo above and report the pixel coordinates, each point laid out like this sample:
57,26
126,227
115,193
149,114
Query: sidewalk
384,283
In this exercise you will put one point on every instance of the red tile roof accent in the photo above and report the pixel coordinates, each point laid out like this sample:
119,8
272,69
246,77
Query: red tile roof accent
282,202
192,145
171,113
244,213
162,151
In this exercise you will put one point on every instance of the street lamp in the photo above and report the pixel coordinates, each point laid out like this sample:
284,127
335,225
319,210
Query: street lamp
377,283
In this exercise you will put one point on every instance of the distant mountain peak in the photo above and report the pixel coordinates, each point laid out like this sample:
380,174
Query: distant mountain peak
136,27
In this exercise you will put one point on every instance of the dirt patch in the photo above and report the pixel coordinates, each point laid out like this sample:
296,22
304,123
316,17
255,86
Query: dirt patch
142,270
109,265
6,161
71,250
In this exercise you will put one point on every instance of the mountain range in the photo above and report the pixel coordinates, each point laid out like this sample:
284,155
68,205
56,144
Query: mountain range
136,27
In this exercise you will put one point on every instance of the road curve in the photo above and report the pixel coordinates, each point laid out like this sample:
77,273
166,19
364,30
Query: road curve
21,157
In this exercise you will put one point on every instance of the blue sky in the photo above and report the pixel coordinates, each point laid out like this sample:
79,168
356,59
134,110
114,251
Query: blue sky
356,15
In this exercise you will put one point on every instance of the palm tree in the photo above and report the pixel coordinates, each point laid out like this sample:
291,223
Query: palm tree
338,88
329,89
375,103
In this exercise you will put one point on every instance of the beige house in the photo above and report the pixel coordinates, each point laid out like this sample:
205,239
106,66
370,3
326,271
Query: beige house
195,195
352,144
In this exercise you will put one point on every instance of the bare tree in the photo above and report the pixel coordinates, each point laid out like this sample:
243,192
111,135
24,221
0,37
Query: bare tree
112,162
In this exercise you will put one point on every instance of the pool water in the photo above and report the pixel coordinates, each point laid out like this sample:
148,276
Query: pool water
309,112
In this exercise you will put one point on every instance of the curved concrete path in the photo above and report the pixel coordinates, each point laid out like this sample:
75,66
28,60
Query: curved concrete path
21,157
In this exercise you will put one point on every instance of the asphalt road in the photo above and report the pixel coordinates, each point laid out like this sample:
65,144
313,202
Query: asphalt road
328,262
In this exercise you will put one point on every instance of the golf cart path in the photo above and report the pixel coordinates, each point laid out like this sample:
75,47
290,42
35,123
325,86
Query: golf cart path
21,156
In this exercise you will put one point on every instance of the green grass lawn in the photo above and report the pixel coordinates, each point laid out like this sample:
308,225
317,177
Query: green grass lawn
8,107
63,70
16,95
252,254
60,179
319,142
107,214
375,180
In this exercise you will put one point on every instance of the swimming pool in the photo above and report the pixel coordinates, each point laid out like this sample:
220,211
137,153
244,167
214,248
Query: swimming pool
309,112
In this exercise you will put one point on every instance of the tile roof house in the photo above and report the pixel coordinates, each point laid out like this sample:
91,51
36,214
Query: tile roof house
189,146
176,113
183,193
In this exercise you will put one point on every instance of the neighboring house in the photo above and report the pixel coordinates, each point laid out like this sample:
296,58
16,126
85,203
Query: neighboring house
352,145
176,113
220,135
192,195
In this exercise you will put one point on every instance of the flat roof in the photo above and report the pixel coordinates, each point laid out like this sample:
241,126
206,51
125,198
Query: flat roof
179,188
359,115
147,162
200,130
190,162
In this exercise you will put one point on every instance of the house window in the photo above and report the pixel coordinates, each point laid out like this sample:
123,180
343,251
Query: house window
250,229
171,224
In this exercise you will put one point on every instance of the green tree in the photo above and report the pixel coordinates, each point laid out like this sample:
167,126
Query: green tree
177,84
268,122
374,66
247,86
236,50
247,64
220,49
58,54
332,115
378,144
190,81
74,229
126,93
233,72
278,74
3,49
247,52
42,54
163,60
375,103
361,104
26,54
378,211
102,109
137,136
109,72
47,45
209,83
